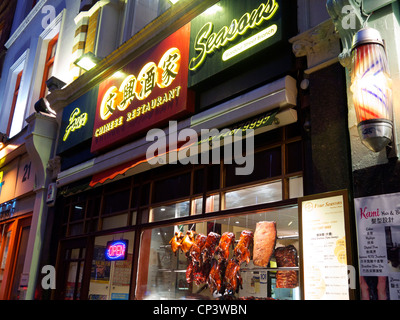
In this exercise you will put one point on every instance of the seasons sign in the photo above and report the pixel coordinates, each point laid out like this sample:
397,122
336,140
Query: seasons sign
146,93
229,32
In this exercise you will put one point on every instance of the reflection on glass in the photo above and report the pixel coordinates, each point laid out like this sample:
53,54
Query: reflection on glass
212,203
172,211
254,195
197,206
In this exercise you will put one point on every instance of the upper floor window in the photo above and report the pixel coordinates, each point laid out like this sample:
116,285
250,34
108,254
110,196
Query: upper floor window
14,101
48,67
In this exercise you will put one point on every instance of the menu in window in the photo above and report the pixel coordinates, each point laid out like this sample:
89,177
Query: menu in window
324,248
378,224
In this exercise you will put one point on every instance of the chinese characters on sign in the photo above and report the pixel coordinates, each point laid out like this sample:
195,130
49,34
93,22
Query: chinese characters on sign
378,223
151,90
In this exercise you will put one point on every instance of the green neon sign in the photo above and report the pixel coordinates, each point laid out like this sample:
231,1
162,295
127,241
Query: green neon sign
207,41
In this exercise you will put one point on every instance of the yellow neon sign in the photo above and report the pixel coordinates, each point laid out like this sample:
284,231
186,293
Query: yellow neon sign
207,41
150,76
76,121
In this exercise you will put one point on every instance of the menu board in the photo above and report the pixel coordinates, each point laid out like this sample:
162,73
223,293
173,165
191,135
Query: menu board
378,224
324,247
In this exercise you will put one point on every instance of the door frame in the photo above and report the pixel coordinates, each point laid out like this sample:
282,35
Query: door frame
62,267
15,226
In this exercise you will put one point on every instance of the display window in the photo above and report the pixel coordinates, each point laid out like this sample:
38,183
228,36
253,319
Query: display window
263,266
149,208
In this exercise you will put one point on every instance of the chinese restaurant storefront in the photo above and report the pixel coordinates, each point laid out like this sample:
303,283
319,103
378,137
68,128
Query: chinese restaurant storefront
124,201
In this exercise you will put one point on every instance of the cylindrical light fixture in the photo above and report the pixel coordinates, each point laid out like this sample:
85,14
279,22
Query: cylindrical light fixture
371,86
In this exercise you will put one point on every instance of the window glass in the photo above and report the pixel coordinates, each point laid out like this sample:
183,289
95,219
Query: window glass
265,193
295,187
115,221
110,280
116,202
212,203
172,188
267,164
172,211
197,206
162,272
78,211
294,157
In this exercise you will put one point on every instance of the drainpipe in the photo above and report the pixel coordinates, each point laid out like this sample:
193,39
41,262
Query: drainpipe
39,144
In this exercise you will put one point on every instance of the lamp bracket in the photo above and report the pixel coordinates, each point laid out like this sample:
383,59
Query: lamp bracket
348,17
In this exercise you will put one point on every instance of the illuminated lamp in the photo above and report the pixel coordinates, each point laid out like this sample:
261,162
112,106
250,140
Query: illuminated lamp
173,1
87,61
371,86
54,83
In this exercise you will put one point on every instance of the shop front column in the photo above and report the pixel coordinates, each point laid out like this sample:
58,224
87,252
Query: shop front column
40,144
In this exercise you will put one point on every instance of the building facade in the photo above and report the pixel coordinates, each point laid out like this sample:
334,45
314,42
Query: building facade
206,119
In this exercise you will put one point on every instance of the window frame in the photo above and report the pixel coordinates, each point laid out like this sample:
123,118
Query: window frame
49,62
14,101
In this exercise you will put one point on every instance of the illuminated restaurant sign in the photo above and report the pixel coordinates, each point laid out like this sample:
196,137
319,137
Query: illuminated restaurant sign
145,93
229,32
77,121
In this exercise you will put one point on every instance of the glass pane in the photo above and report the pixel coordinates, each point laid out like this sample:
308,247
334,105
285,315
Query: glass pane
163,272
116,202
75,253
134,218
212,203
172,211
197,206
71,280
78,211
254,195
19,264
76,229
172,188
267,164
5,253
295,187
198,181
115,221
294,157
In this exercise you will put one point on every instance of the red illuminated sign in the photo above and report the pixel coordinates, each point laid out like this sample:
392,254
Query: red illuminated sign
116,250
145,94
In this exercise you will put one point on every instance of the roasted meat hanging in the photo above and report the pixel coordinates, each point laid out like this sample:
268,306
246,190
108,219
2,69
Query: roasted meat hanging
232,278
216,276
286,257
176,241
209,247
242,249
222,251
195,250
188,240
264,242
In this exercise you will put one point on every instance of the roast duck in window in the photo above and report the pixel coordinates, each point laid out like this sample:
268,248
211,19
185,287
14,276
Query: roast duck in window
209,259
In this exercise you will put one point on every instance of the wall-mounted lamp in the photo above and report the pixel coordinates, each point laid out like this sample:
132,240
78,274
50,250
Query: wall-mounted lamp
371,86
43,106
173,1
54,83
87,61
